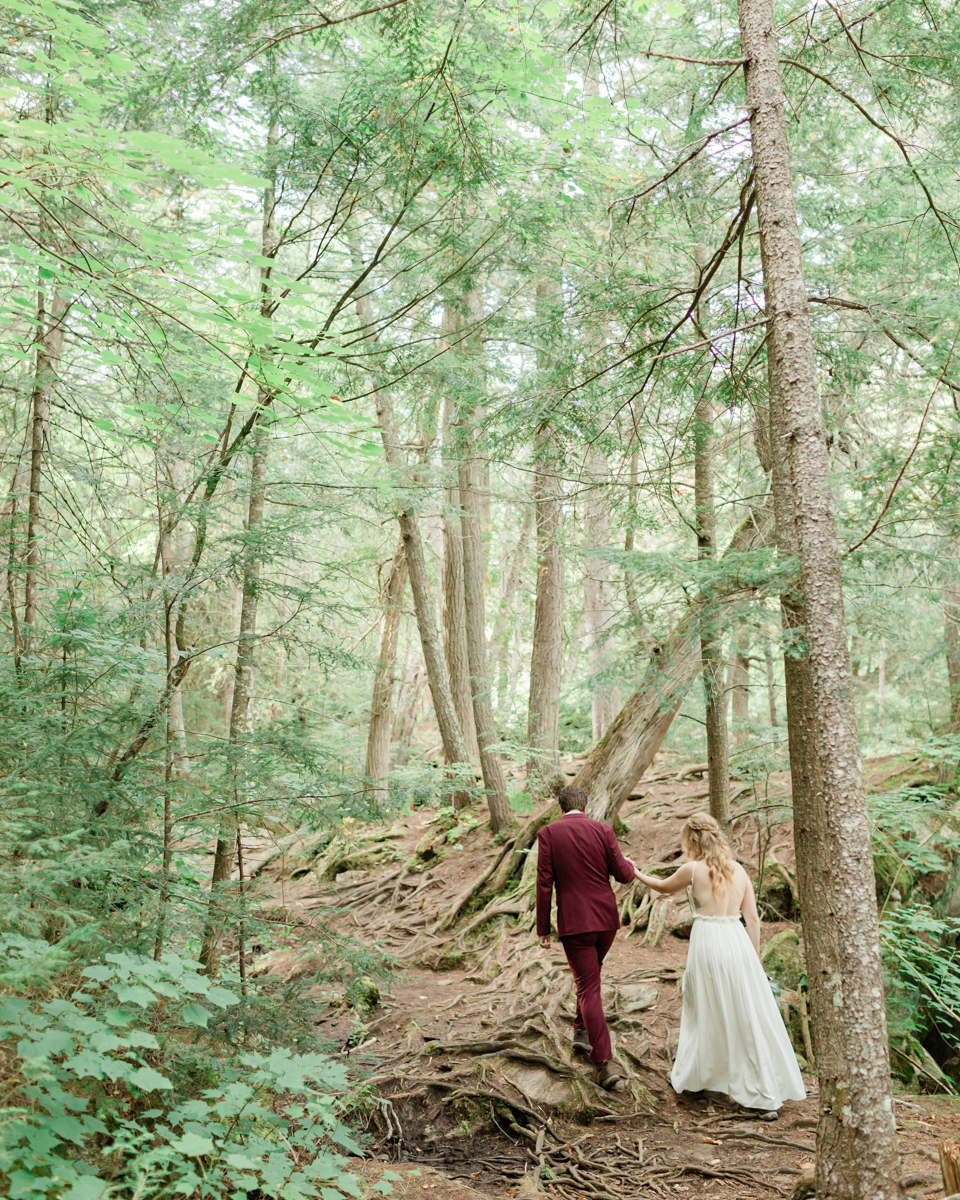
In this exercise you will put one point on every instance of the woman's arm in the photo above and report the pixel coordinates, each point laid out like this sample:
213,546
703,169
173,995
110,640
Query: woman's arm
676,883
751,918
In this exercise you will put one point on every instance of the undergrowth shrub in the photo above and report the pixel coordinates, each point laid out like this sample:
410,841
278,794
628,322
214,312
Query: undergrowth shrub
922,968
123,1087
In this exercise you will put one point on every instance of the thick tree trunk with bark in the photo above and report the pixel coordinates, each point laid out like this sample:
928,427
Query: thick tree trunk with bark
711,647
815,882
381,716
619,760
867,1166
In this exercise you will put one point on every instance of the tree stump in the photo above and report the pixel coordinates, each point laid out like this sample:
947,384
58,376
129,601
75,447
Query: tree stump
950,1166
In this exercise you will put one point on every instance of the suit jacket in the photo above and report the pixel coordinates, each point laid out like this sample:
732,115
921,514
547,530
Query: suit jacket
577,856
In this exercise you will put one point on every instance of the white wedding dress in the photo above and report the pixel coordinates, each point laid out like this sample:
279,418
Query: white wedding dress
732,1037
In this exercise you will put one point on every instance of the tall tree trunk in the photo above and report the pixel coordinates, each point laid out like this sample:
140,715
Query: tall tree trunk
711,642
598,610
815,880
950,607
629,746
50,331
494,780
240,711
504,623
454,601
381,718
872,1169
629,585
241,708
546,658
740,683
771,681
454,747
174,556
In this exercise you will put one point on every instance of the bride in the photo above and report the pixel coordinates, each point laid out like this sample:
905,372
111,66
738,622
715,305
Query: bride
732,1037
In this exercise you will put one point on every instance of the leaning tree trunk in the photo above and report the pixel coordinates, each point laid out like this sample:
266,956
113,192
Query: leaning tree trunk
381,715
815,882
617,763
866,1165
50,332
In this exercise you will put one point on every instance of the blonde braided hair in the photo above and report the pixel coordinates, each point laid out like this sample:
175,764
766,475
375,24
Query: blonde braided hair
702,836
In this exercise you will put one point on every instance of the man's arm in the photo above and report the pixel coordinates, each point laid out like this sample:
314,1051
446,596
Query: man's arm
544,887
621,868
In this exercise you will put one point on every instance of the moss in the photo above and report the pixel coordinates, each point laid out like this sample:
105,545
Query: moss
783,960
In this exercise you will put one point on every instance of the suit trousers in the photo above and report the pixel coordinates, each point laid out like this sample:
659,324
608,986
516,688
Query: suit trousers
585,953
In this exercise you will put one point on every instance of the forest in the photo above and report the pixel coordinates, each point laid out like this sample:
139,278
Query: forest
406,410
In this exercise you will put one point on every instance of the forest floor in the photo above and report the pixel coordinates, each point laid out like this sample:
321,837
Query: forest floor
473,1089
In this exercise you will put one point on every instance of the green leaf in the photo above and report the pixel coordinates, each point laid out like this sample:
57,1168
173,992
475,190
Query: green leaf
87,1188
193,1145
196,1014
221,997
148,1079
134,994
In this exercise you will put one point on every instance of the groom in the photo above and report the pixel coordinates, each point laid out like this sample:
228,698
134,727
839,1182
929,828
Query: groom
577,856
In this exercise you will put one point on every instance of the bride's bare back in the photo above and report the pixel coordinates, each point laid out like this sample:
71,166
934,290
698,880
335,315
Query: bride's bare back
723,901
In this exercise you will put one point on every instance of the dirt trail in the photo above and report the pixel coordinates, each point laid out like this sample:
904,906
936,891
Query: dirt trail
474,1086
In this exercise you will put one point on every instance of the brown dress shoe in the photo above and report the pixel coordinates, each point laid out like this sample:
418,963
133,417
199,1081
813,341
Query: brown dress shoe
581,1043
609,1075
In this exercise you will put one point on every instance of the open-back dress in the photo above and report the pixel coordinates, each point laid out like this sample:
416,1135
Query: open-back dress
732,1037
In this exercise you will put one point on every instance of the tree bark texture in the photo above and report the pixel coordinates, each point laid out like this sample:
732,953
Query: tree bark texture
454,601
50,331
504,623
815,880
381,717
711,647
546,658
868,1108
454,747
491,764
740,683
629,746
598,607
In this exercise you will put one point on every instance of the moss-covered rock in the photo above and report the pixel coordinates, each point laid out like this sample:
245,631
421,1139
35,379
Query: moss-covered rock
782,958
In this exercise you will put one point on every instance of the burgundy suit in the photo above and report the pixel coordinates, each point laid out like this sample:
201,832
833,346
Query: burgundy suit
577,856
